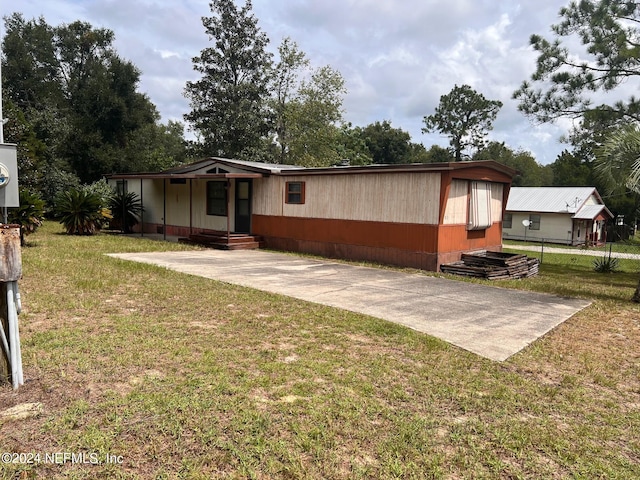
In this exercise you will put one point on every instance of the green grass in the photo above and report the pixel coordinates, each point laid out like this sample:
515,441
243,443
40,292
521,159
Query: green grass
186,377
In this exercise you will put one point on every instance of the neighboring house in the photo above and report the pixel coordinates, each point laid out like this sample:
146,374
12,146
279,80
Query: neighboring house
418,215
568,215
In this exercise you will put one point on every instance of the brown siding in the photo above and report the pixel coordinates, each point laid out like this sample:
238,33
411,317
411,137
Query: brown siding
403,236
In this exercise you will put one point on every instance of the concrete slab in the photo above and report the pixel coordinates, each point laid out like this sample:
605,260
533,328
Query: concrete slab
490,321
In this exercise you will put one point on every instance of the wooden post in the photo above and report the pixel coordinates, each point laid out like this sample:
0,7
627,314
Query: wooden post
10,271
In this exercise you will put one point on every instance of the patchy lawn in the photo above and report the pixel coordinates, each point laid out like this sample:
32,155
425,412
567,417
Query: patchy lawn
174,376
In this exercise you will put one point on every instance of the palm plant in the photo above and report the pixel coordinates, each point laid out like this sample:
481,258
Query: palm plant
126,209
29,215
81,211
618,166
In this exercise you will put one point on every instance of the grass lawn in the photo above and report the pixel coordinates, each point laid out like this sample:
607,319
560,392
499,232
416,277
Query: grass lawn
184,377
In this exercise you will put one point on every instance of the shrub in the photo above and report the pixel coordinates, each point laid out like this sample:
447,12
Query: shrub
81,211
606,264
29,215
126,209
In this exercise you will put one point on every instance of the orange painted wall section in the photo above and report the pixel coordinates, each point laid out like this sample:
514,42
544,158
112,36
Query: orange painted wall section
409,245
403,236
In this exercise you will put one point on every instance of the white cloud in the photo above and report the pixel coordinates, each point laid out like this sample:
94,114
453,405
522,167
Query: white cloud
397,58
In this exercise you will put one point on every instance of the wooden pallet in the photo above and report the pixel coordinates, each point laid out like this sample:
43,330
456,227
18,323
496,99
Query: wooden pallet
493,266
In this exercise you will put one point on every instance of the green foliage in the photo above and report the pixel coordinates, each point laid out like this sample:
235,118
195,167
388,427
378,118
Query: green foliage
387,144
126,209
560,86
438,154
56,181
466,116
228,103
352,147
529,173
29,215
618,160
570,171
102,189
81,211
73,104
606,264
314,114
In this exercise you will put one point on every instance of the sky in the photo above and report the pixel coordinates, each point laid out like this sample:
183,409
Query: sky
397,56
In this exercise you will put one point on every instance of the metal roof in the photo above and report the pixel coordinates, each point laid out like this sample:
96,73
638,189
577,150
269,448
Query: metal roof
589,212
548,199
486,168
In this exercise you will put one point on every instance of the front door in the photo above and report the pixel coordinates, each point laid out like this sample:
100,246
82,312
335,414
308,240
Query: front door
243,206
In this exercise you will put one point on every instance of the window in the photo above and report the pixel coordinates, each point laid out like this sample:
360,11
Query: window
121,187
534,221
479,206
217,198
507,221
295,192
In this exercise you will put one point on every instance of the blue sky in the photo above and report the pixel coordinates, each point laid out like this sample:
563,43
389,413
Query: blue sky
397,57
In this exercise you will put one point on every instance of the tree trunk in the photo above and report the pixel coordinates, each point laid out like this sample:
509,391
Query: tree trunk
636,295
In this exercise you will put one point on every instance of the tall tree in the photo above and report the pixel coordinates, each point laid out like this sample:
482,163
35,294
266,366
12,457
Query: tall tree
566,76
387,144
618,165
228,104
285,84
78,97
466,116
314,116
570,171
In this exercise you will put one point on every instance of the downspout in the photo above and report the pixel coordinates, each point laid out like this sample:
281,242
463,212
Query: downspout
164,208
190,206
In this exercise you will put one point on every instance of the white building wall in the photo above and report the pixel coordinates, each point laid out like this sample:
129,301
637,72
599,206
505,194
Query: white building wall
555,228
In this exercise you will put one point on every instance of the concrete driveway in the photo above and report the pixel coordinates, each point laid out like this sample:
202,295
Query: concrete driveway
489,321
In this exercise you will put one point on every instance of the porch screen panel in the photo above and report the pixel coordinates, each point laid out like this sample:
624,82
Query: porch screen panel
480,206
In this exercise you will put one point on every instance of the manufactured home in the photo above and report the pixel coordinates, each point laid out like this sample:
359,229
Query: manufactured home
417,215
564,215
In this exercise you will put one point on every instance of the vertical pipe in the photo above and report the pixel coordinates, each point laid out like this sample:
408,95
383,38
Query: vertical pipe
17,309
141,211
5,344
228,209
190,206
164,208
13,337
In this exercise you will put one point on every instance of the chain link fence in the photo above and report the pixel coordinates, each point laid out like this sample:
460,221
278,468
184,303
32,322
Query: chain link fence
622,255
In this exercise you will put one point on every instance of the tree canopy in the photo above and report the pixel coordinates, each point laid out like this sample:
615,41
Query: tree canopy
228,103
73,104
566,77
466,116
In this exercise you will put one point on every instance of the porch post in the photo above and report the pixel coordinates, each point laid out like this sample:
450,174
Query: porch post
164,208
190,206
